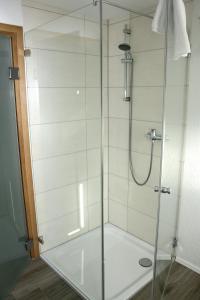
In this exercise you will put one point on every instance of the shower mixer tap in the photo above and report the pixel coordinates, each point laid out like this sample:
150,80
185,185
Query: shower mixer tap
154,135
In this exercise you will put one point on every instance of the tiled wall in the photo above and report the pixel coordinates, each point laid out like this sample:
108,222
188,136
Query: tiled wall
63,79
131,207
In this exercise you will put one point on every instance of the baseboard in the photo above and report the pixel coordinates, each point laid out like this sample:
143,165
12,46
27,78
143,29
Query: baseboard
188,264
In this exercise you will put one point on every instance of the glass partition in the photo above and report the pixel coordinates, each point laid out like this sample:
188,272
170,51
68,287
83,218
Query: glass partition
175,97
93,73
64,94
135,108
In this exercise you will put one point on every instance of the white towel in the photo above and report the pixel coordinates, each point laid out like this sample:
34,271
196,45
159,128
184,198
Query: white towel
171,15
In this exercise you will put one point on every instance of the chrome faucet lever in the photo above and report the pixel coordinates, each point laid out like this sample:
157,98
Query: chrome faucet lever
154,135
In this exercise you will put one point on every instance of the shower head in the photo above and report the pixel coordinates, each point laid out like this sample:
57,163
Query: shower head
124,47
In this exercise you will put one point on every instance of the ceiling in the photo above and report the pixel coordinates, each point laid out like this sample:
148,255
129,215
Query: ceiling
85,7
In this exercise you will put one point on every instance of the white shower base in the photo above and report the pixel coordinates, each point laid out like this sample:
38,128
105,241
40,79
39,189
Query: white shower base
79,263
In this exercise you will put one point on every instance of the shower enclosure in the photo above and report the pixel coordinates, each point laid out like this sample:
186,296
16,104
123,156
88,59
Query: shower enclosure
104,96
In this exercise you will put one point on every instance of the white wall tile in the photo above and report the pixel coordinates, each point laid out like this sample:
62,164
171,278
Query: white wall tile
94,190
117,107
59,171
94,215
176,72
118,189
93,133
118,133
142,37
118,214
42,38
54,234
118,162
148,68
175,105
148,103
49,105
93,103
93,71
57,139
93,161
33,18
141,226
59,202
53,69
143,199
116,72
92,37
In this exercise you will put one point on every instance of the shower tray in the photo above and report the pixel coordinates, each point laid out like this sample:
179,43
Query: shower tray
79,262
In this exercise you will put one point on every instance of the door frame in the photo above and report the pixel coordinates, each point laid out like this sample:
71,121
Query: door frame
16,34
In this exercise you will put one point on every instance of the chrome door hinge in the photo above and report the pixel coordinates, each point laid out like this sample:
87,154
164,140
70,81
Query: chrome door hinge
14,73
27,52
164,190
174,242
41,239
28,245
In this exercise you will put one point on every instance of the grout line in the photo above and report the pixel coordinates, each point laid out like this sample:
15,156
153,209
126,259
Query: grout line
66,154
125,178
133,119
138,152
66,121
137,52
131,208
66,51
70,184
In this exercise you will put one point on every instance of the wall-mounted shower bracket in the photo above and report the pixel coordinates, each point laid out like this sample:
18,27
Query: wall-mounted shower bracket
127,60
126,30
95,2
127,99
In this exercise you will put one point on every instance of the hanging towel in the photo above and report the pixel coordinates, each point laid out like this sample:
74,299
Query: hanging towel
170,15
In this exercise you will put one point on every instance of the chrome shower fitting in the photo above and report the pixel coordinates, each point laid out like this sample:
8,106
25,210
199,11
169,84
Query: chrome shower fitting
127,61
95,2
153,135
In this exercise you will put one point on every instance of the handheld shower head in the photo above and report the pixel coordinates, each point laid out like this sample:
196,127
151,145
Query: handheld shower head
124,47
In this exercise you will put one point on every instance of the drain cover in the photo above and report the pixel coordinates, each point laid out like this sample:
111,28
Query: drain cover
145,262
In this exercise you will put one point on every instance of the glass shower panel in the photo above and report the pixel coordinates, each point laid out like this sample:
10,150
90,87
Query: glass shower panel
175,97
64,88
129,235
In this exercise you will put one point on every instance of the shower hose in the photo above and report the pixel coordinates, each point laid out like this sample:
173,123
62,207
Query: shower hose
140,183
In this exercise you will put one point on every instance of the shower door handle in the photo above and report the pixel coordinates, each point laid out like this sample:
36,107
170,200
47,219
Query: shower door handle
163,190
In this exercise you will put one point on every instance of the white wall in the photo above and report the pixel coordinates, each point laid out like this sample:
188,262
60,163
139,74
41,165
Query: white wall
189,225
11,12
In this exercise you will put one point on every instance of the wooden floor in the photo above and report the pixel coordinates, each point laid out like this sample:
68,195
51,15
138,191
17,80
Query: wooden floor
39,282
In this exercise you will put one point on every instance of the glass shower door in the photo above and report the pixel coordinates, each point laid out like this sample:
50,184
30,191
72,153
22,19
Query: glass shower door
64,91
13,232
170,183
